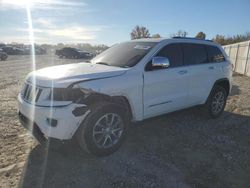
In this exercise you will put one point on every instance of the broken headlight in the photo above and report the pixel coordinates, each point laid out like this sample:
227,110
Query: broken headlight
66,94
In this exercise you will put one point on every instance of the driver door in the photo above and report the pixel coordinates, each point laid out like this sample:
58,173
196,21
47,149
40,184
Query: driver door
166,89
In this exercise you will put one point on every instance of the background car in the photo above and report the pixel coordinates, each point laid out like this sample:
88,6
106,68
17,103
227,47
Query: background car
73,53
38,50
3,55
12,50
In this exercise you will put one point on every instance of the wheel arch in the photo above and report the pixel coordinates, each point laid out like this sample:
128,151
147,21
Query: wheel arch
123,102
223,82
118,100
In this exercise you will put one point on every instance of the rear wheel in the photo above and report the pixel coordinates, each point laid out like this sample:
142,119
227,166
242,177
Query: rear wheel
216,102
103,131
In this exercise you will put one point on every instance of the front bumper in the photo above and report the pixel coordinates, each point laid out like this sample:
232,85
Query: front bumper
37,119
32,127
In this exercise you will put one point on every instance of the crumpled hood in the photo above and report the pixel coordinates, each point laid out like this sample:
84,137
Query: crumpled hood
64,75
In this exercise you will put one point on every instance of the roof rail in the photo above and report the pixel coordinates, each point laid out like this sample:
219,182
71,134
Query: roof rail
191,38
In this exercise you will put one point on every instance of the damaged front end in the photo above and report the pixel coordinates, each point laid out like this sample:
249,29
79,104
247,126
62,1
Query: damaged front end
82,97
57,112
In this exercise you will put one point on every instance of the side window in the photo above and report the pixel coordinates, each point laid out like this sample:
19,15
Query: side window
174,53
214,54
194,54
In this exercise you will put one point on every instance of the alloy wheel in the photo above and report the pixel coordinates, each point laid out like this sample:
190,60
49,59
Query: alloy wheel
218,102
108,130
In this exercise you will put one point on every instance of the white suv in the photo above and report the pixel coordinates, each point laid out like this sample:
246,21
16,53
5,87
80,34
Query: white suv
131,81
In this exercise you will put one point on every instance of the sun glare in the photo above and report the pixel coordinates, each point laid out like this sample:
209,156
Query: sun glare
19,2
28,3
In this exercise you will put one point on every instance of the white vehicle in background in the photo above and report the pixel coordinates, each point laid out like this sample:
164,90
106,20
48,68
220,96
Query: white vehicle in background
132,81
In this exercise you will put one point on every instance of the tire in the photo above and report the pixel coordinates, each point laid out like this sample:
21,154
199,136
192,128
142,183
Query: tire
4,57
94,134
216,102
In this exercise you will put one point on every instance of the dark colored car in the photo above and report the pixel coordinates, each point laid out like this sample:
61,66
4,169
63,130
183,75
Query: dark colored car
73,53
38,51
2,45
12,50
3,55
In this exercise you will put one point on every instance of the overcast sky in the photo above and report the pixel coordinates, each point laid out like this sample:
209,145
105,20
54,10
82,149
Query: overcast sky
111,21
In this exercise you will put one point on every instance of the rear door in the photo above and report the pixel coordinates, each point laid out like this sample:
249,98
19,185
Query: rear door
165,89
217,62
202,73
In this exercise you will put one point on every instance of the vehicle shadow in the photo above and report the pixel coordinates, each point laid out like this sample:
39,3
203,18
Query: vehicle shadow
182,149
235,90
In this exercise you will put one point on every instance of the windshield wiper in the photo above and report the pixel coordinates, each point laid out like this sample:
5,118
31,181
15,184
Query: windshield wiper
103,63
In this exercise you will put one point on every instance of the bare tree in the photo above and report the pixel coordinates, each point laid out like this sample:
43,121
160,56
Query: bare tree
139,32
179,33
156,36
201,35
223,40
220,39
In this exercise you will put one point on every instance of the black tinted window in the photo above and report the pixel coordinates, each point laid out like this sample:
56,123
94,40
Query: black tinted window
194,54
214,54
174,53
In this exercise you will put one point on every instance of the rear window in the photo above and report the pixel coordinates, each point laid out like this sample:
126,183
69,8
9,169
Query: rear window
194,54
214,54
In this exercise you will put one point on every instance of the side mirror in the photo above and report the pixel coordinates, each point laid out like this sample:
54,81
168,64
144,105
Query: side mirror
160,62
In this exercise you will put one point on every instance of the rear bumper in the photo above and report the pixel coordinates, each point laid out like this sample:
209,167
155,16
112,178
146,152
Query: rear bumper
35,118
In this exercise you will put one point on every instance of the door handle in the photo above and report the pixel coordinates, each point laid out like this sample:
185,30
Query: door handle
183,72
211,68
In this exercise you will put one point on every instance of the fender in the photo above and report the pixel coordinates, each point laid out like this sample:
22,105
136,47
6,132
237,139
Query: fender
224,82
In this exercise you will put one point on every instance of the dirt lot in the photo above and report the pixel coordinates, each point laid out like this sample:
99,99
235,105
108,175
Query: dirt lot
181,149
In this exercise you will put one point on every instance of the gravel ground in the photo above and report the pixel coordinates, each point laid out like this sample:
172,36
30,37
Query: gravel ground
182,149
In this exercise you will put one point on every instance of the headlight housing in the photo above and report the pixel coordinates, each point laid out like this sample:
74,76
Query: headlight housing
66,94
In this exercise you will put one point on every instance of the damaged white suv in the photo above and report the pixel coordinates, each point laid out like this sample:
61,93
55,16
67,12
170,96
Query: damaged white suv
132,81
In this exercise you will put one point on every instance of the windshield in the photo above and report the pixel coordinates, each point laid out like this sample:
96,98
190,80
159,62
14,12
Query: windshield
124,54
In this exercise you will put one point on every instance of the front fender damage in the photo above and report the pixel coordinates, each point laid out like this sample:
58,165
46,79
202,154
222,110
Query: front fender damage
87,98
90,98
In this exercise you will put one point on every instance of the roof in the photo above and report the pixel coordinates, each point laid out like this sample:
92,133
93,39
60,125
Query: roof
175,39
149,40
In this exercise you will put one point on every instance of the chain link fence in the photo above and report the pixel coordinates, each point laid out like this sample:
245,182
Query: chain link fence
239,54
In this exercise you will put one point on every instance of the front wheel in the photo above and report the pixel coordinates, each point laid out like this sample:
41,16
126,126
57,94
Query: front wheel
216,102
103,131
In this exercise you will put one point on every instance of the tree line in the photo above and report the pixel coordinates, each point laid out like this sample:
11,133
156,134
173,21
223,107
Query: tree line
142,32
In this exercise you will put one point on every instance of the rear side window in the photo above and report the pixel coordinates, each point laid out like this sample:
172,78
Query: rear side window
194,54
214,54
174,53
